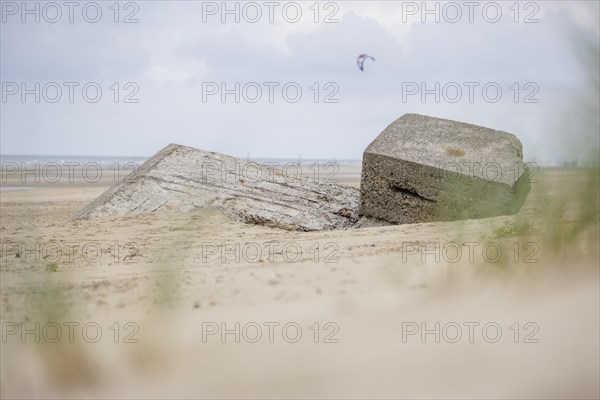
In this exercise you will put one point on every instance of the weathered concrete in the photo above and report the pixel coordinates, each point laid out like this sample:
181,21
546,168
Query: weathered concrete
423,169
183,178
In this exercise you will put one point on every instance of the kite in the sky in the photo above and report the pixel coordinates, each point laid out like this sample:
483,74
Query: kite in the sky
360,61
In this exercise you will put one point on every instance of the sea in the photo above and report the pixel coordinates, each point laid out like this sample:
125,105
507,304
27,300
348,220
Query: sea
11,165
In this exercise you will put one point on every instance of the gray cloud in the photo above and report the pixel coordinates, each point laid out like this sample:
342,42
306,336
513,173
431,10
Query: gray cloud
171,52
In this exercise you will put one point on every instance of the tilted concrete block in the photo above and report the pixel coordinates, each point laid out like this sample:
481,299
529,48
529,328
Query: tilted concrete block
422,169
183,178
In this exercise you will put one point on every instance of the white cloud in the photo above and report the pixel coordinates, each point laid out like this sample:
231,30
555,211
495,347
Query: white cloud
177,73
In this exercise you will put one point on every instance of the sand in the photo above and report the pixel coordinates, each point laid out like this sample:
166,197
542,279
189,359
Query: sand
141,303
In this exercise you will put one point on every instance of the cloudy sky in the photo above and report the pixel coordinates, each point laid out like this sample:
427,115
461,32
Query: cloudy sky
279,79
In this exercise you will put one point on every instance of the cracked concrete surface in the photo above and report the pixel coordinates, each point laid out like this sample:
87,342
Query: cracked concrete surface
184,178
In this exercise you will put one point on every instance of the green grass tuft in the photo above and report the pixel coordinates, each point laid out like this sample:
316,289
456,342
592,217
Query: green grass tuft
52,267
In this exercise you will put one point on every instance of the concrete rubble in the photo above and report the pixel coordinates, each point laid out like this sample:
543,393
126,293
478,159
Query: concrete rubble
422,169
419,169
184,178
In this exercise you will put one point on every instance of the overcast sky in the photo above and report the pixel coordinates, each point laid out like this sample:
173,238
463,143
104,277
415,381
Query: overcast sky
176,59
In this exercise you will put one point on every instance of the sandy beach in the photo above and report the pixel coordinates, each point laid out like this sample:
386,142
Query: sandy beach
194,305
300,200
